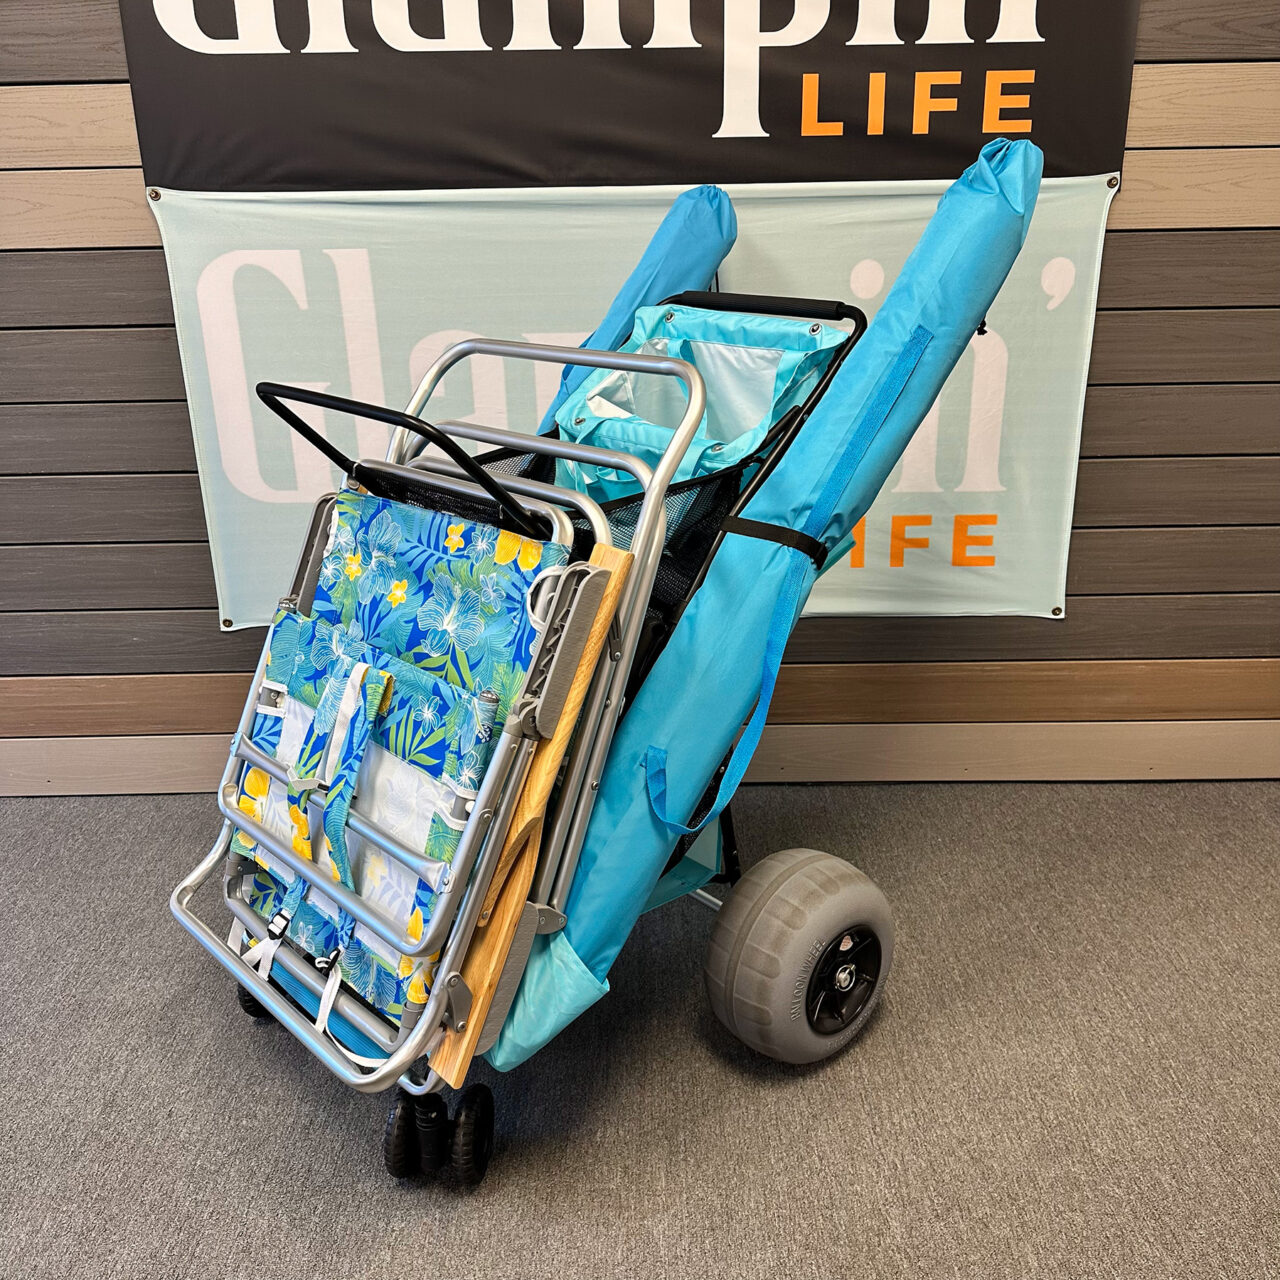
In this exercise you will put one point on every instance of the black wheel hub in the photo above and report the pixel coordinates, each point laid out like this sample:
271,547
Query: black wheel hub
843,980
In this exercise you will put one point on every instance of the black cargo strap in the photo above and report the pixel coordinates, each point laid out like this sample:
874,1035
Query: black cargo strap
778,533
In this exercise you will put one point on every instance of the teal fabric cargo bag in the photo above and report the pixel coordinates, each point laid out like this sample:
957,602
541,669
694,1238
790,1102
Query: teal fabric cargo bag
685,253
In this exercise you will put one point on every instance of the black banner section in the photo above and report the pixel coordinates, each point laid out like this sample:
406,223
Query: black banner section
276,95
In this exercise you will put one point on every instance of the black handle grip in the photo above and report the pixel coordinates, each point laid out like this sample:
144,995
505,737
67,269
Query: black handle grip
273,395
764,304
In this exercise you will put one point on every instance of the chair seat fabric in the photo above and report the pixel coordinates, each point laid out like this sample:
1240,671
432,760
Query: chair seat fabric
755,367
437,608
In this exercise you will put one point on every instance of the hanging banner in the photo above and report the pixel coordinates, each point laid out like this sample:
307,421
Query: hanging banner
343,189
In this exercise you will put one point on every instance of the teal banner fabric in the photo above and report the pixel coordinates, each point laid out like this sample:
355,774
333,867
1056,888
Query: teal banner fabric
358,293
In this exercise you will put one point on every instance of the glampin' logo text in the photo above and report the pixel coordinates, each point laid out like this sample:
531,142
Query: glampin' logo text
1006,98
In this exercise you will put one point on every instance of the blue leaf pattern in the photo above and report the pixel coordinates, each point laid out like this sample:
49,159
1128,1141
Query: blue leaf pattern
444,594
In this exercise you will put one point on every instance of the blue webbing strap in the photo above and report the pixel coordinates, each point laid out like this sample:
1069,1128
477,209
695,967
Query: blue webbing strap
350,749
655,762
311,754
789,599
363,691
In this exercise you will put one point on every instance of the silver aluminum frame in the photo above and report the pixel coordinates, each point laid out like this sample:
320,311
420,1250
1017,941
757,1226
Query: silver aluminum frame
566,832
465,882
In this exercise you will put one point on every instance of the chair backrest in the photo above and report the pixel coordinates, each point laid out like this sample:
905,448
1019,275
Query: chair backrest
755,367
437,608
435,590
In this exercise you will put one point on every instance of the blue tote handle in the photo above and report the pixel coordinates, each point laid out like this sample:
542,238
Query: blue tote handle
655,761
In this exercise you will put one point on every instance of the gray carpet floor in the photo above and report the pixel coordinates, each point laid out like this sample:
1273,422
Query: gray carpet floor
1074,1072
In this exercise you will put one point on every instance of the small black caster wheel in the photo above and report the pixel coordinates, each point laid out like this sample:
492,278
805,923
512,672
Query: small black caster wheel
472,1135
435,1130
250,1005
400,1138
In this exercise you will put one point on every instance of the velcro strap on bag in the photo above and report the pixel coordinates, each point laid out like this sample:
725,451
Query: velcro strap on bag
780,534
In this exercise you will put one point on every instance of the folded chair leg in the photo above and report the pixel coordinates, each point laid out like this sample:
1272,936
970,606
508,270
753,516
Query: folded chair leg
513,877
482,968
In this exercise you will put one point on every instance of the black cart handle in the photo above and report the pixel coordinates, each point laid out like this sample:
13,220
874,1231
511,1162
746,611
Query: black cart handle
764,304
273,395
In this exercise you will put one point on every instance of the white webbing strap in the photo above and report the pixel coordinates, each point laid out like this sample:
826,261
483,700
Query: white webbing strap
260,956
327,998
352,697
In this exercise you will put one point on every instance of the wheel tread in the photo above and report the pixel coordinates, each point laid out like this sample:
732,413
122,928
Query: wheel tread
473,1135
400,1138
753,903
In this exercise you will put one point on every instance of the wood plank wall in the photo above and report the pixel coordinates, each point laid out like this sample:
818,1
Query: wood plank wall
114,676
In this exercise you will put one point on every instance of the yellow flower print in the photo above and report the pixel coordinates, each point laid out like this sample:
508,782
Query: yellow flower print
256,785
375,872
417,993
301,832
352,569
328,853
454,540
253,802
512,545
244,844
398,591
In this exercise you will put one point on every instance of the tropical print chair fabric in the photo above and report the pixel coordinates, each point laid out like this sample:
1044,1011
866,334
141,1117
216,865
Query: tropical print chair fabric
436,609
442,593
